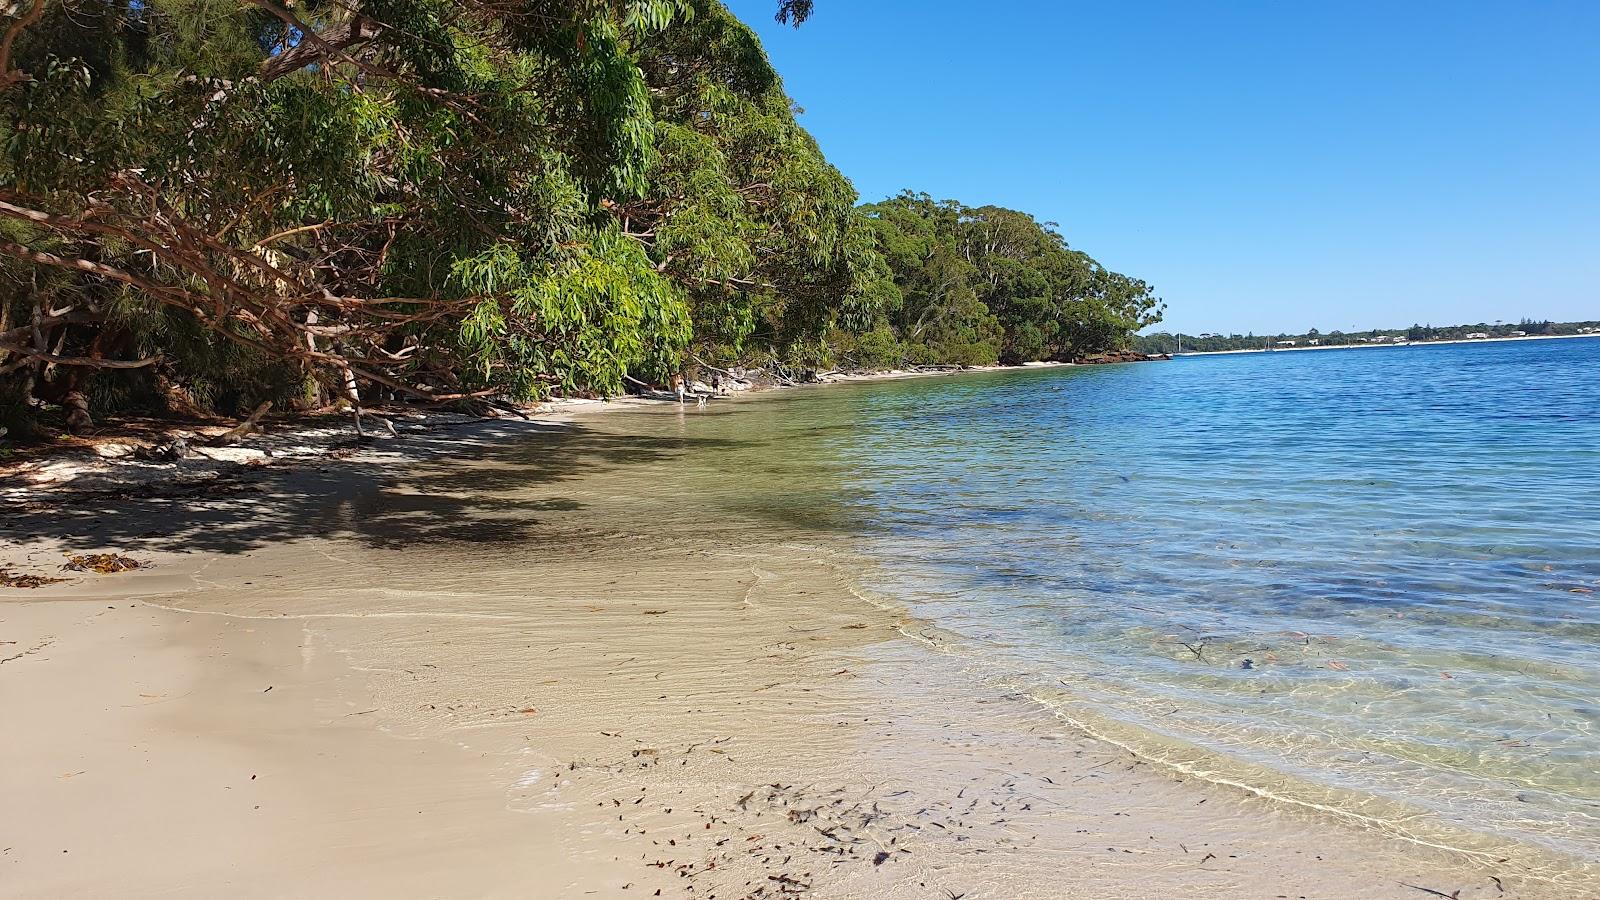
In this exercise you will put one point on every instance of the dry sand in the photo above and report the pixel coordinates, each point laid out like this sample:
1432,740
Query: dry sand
531,674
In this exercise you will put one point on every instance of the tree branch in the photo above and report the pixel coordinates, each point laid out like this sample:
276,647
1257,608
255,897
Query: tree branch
89,361
314,45
8,75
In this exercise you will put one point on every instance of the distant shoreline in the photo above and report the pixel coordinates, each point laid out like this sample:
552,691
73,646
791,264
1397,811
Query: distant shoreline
1493,340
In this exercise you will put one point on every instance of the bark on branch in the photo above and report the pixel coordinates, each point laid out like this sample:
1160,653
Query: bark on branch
85,361
315,46
8,75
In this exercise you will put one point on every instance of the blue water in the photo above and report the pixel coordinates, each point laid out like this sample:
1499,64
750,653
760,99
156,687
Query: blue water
1365,580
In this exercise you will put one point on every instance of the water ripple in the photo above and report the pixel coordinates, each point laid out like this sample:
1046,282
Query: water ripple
1373,569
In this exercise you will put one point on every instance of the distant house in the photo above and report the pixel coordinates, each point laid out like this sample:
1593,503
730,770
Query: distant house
1478,336
1286,343
1398,339
1313,343
1519,334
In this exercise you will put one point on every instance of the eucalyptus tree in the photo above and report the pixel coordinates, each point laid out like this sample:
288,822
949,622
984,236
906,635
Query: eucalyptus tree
423,198
208,203
989,283
742,209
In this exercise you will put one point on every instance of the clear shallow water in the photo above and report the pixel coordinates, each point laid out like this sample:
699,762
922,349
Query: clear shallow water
1360,580
1367,580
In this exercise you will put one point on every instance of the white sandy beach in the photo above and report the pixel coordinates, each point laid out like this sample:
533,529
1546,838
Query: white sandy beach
441,670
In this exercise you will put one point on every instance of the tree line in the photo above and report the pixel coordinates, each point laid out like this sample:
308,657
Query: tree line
208,204
1167,342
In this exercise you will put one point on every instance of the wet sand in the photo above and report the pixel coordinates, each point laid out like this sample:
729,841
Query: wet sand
541,660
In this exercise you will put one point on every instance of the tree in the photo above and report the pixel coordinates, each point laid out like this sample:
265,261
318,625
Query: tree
205,205
794,11
743,210
990,283
414,198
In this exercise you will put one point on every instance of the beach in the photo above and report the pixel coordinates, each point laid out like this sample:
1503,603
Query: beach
686,449
549,659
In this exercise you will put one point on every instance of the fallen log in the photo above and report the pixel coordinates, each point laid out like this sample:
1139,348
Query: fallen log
249,426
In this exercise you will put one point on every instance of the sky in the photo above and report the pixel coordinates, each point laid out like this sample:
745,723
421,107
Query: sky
1267,166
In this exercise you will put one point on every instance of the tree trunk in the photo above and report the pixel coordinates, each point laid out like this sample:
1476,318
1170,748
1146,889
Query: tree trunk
79,421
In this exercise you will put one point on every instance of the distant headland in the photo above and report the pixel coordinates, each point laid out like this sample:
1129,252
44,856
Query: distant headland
1207,342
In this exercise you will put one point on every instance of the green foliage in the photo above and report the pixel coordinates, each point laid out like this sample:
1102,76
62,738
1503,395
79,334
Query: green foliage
742,209
592,316
429,197
454,198
976,285
877,349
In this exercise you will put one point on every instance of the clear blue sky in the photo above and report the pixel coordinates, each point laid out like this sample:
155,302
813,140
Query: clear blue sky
1268,166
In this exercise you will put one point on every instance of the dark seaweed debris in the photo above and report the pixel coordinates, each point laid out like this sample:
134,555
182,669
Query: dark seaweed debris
102,563
12,579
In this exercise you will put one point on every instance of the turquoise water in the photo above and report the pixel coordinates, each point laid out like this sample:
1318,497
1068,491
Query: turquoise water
1365,580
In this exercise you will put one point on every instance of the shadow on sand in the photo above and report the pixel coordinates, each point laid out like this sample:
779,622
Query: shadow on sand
448,486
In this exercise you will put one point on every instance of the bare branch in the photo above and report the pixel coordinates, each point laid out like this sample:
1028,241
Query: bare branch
89,361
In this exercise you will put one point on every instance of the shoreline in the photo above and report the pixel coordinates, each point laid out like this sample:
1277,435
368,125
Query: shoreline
700,668
1493,340
110,466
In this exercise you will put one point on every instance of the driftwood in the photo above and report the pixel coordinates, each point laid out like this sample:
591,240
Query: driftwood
494,404
172,451
778,373
706,365
362,432
249,426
